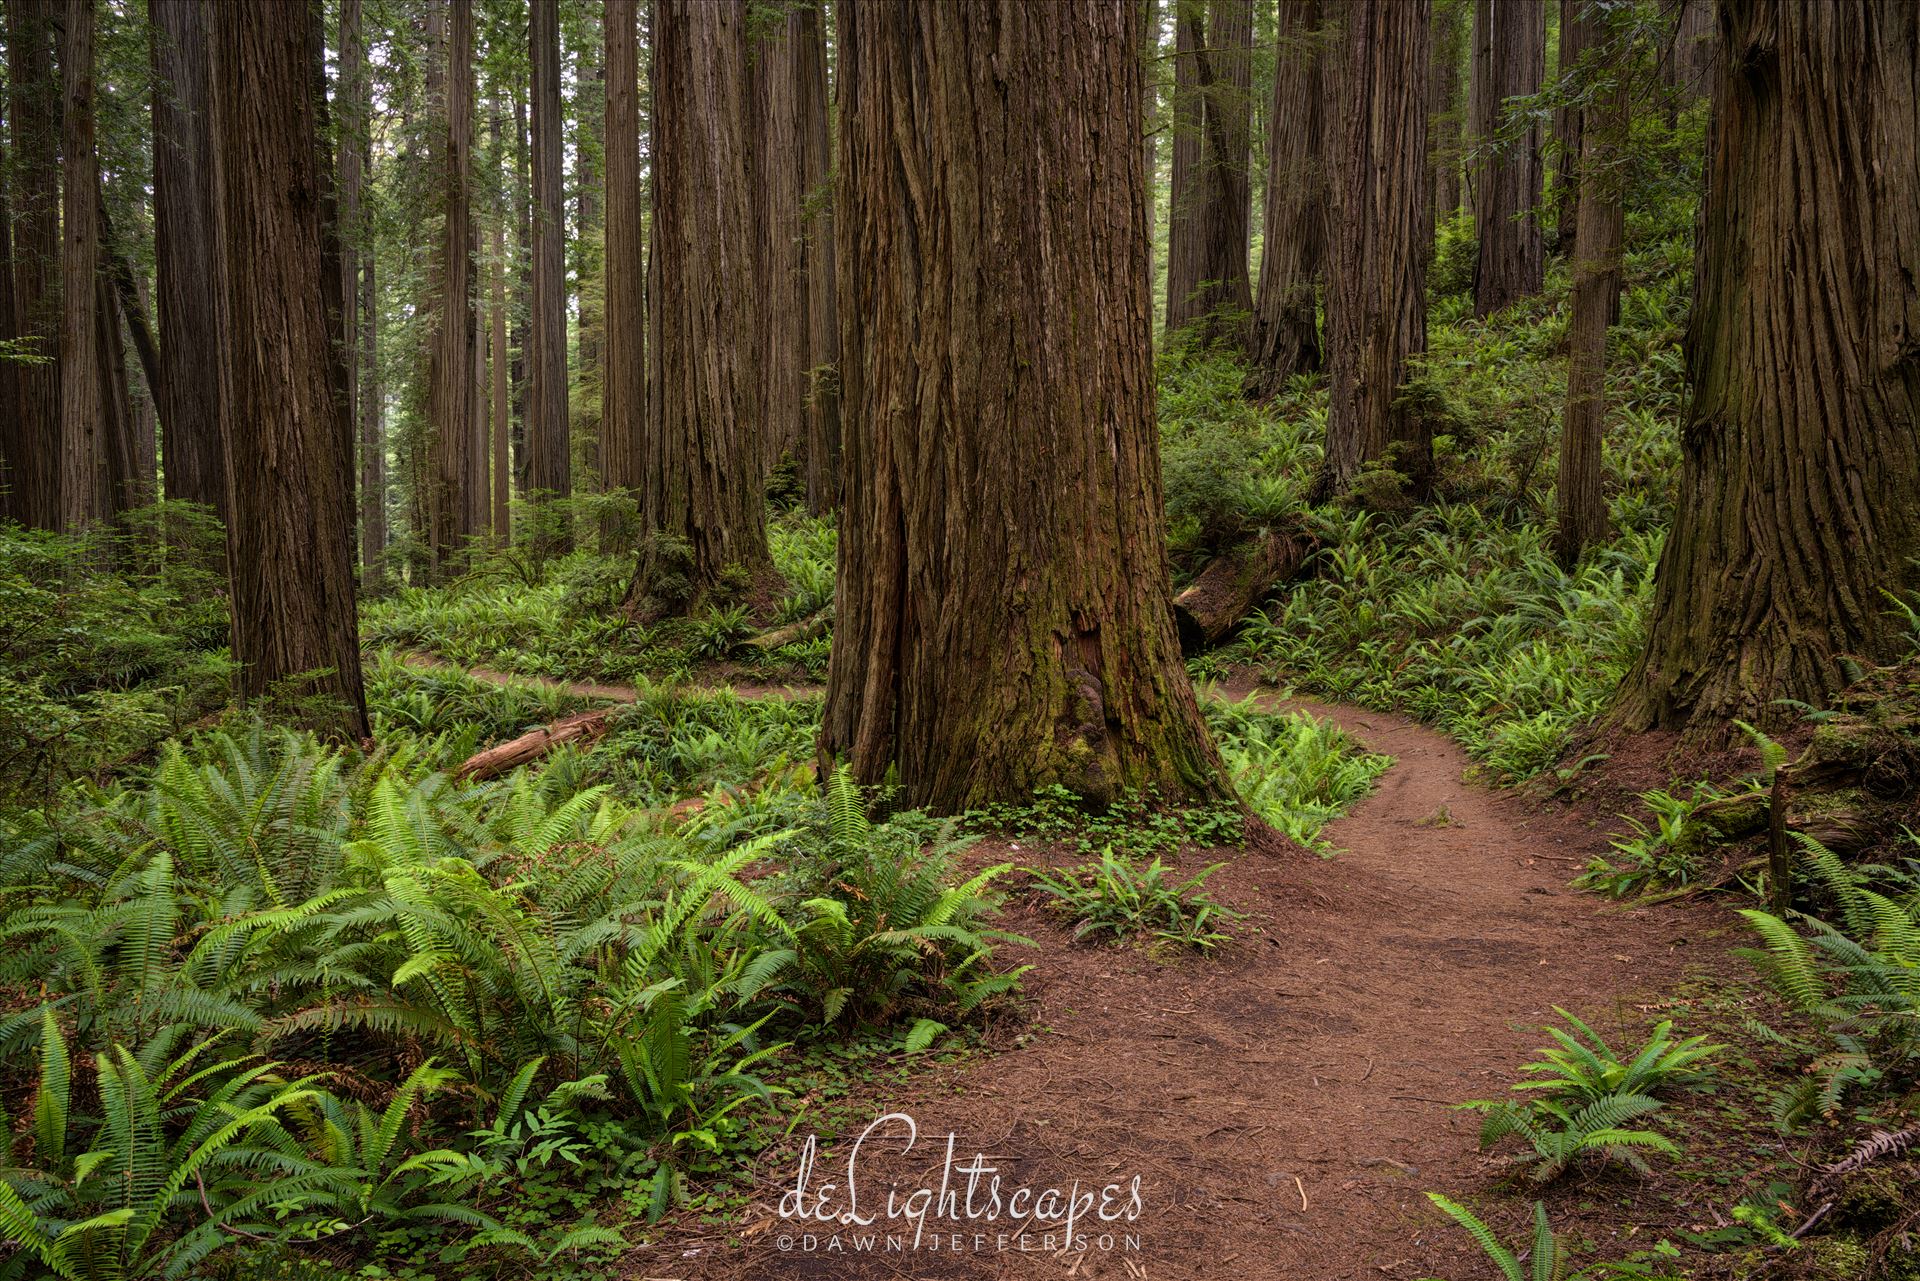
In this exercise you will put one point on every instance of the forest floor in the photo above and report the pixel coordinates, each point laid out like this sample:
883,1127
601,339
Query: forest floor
1286,1101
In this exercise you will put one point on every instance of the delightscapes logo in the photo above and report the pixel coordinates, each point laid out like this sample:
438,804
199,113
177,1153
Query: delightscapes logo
964,1207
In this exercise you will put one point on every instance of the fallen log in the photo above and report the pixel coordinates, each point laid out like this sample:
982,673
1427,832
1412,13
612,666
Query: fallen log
807,628
1233,583
581,727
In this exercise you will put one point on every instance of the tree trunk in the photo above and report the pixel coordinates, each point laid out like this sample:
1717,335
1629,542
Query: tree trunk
822,359
1576,33
520,336
373,447
1511,260
356,102
623,413
294,630
1003,609
12,445
183,200
778,199
1286,333
1187,199
1220,294
590,375
1234,583
549,452
501,434
1483,107
32,440
1450,19
451,387
702,514
1150,113
1582,503
1377,276
1688,64
85,488
1800,456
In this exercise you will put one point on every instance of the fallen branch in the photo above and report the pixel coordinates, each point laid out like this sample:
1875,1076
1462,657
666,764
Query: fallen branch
1233,583
582,727
807,628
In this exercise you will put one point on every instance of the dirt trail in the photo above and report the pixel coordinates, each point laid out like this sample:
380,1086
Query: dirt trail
1285,1104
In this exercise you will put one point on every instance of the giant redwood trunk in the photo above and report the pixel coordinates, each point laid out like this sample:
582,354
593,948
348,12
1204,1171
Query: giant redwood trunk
1381,240
289,529
1186,202
703,517
623,410
355,102
183,198
781,314
1511,260
822,359
32,437
1286,333
86,491
1443,105
451,385
1581,515
1800,457
549,458
1215,289
1003,601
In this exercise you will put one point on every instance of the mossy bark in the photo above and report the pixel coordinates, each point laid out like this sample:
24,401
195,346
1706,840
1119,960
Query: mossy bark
1003,597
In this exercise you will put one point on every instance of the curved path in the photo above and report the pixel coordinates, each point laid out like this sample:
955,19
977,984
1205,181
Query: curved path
1286,1103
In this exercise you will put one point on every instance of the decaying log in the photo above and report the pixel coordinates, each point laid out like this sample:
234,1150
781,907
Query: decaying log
1233,583
582,727
807,628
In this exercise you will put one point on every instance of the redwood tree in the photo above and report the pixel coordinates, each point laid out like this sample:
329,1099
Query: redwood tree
1217,201
452,497
1003,600
1575,33
30,429
822,355
1511,259
549,456
702,513
1799,504
86,492
1450,36
288,534
1286,333
1581,516
1381,240
623,411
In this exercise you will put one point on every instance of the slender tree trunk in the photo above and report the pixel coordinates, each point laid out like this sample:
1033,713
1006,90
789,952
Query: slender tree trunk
1377,275
1799,504
85,488
1688,63
373,446
1483,106
1511,261
974,467
1221,295
1450,23
12,429
294,629
519,330
502,402
822,357
624,410
1575,35
549,453
1150,114
356,102
183,192
129,477
1286,332
1186,203
1582,515
589,176
703,517
781,314
451,386
33,438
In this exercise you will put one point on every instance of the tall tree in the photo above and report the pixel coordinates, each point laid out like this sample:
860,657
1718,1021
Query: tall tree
1688,62
781,313
501,431
356,101
1799,503
451,387
1286,333
1575,32
1377,274
548,448
1450,21
373,445
814,105
288,533
1218,291
623,412
1510,263
86,494
590,109
12,446
183,205
30,432
702,514
1003,607
1187,198
1582,506
1150,110
1482,106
